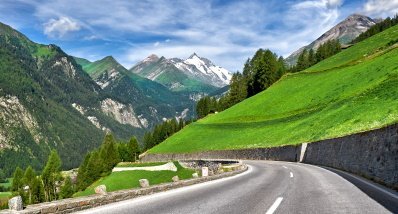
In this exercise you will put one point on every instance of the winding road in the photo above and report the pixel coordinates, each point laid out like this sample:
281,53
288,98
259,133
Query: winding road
267,187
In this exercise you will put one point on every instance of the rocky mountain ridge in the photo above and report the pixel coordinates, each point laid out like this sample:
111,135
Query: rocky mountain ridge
192,74
345,32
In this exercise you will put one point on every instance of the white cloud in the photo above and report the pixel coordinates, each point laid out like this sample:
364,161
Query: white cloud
381,8
60,27
226,33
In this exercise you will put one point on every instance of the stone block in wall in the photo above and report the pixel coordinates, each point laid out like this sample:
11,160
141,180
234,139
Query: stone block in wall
15,203
101,190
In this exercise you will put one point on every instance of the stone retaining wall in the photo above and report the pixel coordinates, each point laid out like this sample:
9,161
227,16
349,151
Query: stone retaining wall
283,153
372,154
87,202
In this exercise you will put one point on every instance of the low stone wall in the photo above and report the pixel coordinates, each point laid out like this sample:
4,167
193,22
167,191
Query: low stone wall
283,153
87,202
372,154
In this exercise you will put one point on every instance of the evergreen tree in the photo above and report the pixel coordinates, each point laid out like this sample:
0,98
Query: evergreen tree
28,180
82,180
134,149
67,188
3,178
51,176
17,184
109,155
94,168
37,191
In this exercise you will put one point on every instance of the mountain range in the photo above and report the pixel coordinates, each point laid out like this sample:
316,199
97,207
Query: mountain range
49,99
345,32
194,74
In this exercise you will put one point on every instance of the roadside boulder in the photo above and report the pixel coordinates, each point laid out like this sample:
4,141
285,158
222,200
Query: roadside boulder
175,178
144,183
101,189
195,175
15,203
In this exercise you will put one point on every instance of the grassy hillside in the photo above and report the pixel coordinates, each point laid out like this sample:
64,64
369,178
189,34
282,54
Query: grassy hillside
353,91
130,179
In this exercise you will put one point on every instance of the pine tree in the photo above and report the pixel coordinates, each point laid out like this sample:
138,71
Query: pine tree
109,155
17,184
51,176
38,194
82,173
94,167
133,148
67,189
28,180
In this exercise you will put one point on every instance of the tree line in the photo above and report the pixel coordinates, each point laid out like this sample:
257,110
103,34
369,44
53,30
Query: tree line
259,73
377,28
162,131
308,58
100,162
51,185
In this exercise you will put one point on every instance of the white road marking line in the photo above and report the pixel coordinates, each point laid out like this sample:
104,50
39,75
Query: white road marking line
291,174
285,167
274,206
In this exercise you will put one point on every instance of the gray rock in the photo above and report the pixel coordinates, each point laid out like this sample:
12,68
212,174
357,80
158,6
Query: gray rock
144,183
101,189
15,203
175,178
195,175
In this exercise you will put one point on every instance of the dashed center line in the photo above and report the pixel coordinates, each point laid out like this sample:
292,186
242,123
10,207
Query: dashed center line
274,206
291,174
285,167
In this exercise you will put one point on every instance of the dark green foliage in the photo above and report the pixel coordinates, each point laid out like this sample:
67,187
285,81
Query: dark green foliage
264,70
377,28
162,132
258,74
98,163
3,177
51,176
17,181
82,177
29,180
308,58
37,191
109,155
67,189
128,152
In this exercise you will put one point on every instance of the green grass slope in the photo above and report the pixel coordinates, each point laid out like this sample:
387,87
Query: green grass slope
353,91
130,179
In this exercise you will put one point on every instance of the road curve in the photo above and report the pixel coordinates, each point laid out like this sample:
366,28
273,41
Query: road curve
267,187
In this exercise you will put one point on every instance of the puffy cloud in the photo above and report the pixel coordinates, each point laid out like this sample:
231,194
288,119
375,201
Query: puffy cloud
60,27
381,8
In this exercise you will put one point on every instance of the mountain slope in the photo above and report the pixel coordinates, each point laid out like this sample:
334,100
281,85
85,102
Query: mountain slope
194,74
345,32
151,101
353,91
47,101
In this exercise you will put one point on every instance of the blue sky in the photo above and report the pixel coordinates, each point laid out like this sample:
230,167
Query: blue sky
225,31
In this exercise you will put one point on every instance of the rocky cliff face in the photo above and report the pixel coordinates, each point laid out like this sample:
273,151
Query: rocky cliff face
345,32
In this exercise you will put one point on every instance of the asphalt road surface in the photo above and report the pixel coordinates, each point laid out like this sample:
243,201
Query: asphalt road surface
267,187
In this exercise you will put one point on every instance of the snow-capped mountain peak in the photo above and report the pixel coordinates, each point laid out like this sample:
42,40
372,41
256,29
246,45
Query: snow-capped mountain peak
207,68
